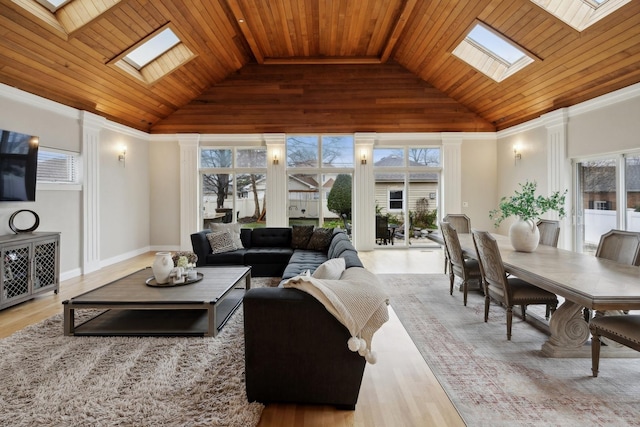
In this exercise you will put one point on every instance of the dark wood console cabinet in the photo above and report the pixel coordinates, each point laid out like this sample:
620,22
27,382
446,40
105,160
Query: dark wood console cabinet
29,265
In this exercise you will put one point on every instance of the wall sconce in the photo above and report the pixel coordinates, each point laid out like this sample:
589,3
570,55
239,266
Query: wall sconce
275,158
363,158
516,154
122,155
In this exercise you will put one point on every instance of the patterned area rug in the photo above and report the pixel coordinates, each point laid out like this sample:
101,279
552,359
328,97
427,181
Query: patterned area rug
494,382
52,380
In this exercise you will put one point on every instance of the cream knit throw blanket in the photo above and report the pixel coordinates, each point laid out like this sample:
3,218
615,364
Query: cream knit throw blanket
356,300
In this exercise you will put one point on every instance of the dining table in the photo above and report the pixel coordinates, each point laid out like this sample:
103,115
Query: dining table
581,279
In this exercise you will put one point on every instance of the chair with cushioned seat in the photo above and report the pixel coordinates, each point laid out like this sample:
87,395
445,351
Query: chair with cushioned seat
623,329
464,268
508,291
620,246
462,224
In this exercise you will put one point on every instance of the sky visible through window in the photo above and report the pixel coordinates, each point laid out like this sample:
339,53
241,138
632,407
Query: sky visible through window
152,49
53,5
495,44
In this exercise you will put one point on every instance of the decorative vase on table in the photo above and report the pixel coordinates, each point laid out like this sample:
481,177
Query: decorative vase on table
524,235
161,267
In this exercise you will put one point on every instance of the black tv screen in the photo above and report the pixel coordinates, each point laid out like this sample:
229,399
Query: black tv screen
18,166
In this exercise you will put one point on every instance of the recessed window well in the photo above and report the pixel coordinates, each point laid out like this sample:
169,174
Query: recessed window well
580,14
152,48
491,53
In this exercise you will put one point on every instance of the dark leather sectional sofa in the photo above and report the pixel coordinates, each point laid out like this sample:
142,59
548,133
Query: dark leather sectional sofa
269,252
295,350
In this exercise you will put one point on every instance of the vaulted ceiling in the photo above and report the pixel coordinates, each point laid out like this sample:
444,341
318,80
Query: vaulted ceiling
248,66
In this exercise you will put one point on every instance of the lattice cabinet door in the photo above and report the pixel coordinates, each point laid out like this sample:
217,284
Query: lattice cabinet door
45,265
29,264
16,263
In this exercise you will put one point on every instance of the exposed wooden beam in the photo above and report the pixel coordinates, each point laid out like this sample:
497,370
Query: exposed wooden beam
323,60
398,28
238,14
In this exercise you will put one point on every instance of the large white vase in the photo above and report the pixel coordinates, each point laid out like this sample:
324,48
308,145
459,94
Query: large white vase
524,235
161,267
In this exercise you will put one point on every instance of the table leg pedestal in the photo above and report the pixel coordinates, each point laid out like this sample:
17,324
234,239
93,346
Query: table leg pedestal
569,332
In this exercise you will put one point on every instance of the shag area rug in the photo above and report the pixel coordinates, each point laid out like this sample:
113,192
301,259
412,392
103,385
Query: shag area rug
495,382
48,379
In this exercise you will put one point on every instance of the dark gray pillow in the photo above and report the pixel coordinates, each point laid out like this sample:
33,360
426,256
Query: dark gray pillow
300,235
320,239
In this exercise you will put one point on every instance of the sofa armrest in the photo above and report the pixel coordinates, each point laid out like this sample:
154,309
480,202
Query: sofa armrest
296,351
201,246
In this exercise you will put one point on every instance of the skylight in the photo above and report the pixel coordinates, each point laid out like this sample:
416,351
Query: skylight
580,14
490,53
152,48
495,44
53,5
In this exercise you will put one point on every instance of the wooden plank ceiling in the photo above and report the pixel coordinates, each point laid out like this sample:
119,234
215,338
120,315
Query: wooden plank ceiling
313,65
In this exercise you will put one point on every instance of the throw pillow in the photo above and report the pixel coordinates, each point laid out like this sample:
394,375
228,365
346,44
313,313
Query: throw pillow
221,241
331,269
233,228
320,239
300,235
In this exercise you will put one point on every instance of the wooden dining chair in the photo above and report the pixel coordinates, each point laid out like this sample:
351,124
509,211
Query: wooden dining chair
462,224
549,232
459,266
508,291
623,329
620,246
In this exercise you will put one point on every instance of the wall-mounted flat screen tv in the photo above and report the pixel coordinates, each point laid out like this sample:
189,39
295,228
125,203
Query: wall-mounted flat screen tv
18,166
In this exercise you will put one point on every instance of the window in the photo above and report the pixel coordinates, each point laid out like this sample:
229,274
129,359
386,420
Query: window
215,158
407,185
155,56
491,53
429,157
581,14
396,200
57,166
388,157
233,185
316,163
152,48
337,151
251,158
53,5
302,151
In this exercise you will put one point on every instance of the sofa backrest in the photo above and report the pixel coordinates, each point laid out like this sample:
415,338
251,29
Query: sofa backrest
342,247
271,237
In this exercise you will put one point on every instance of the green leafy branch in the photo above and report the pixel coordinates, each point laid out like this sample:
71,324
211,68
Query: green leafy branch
526,205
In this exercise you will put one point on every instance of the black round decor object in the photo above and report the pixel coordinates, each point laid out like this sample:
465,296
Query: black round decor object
24,230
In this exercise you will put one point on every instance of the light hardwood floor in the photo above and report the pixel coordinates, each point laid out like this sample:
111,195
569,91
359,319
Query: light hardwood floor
399,390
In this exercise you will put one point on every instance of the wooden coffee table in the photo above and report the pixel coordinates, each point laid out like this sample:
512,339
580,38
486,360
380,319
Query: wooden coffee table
131,307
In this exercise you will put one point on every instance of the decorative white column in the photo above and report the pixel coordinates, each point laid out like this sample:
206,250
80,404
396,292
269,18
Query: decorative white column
451,174
363,216
91,125
559,170
189,188
276,197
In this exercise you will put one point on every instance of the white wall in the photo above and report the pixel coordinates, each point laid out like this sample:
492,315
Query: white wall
479,179
532,166
124,195
613,127
164,196
124,191
57,127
